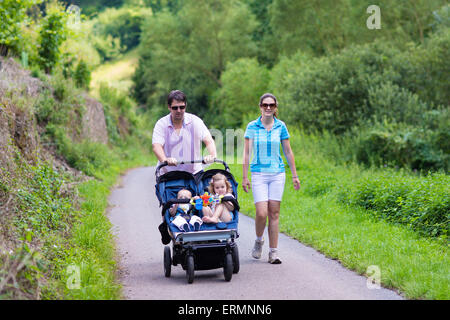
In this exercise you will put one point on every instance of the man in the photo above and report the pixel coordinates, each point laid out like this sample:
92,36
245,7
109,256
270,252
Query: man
179,135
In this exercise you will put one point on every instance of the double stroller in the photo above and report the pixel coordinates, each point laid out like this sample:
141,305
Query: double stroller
213,245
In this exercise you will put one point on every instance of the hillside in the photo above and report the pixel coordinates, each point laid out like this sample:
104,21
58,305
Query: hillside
39,197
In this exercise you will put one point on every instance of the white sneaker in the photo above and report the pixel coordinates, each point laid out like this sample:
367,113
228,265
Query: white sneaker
273,257
257,249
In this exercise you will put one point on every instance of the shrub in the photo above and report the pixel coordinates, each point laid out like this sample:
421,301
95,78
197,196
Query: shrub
82,75
120,112
421,203
401,145
52,35
87,156
336,92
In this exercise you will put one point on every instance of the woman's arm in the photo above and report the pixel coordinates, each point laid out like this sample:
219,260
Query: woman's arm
245,164
291,161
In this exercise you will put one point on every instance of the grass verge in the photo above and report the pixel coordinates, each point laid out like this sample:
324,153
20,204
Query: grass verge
93,256
418,267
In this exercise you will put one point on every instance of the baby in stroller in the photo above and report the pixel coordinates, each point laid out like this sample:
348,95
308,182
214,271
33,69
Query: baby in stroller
182,215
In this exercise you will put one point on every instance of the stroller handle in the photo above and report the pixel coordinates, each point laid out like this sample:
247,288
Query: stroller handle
163,164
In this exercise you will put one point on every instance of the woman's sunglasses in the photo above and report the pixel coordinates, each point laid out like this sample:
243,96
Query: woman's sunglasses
265,105
175,108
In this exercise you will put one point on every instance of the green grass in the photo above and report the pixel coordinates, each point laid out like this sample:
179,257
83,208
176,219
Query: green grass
417,267
94,252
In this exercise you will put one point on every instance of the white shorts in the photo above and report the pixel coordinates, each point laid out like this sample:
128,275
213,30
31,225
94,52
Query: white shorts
267,186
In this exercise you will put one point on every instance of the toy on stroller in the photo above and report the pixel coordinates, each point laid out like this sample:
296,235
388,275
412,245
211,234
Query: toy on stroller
213,245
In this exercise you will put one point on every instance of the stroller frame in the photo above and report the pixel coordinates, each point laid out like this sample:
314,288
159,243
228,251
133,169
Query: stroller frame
205,249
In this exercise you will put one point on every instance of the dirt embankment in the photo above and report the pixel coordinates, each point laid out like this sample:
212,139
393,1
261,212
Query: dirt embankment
20,132
18,126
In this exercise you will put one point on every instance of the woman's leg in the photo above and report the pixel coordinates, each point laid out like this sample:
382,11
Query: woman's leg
274,218
261,217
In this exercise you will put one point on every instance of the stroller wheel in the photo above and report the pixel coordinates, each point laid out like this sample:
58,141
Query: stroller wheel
235,253
190,268
167,261
228,267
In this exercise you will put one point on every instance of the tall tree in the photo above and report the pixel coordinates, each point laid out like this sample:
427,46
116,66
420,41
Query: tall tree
189,50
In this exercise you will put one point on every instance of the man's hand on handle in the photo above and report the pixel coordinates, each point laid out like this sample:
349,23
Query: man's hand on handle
209,159
172,161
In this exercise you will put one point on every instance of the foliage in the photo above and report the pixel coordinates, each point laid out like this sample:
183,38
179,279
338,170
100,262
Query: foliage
243,82
160,5
42,206
363,89
118,30
53,33
92,7
120,113
82,75
12,16
402,145
178,52
325,27
421,203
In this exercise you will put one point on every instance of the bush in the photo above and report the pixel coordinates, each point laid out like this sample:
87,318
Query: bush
401,145
421,203
86,156
52,35
82,75
336,92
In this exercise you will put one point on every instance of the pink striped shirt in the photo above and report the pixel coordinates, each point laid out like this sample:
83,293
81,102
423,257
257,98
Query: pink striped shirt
187,145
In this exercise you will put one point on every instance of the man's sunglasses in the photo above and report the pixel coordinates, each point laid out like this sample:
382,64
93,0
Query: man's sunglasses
175,108
265,105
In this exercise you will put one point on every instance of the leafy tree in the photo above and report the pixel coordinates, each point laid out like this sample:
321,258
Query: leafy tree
327,26
189,50
123,24
243,83
263,35
12,16
53,33
159,5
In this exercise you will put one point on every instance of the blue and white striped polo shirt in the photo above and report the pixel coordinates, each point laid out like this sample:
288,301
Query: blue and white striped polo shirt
266,146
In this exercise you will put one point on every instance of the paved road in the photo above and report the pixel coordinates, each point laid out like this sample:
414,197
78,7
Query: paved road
304,273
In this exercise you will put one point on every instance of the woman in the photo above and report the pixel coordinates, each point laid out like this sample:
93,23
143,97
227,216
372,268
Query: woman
264,136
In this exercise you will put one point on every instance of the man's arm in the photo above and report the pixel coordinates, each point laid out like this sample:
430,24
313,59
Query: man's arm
158,150
211,147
